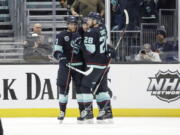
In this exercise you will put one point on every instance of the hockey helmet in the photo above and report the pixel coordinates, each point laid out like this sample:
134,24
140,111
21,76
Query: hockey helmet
95,16
72,19
84,20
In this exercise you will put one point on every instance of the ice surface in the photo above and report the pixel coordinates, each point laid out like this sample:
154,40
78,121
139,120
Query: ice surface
121,126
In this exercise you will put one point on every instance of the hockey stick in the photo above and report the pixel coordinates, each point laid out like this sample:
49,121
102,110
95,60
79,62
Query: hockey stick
67,84
107,68
118,43
69,74
86,73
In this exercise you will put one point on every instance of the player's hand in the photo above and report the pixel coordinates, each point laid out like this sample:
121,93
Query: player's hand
57,55
63,60
111,52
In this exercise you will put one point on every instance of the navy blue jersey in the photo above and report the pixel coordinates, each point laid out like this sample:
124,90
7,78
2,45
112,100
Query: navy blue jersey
168,51
164,47
68,42
94,50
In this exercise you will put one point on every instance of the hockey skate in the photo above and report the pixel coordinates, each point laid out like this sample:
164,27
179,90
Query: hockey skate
61,117
105,116
86,117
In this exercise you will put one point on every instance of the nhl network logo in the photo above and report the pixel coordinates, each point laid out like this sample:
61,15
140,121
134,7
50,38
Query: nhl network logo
165,86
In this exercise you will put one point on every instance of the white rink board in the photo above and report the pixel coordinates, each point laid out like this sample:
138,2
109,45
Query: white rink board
129,84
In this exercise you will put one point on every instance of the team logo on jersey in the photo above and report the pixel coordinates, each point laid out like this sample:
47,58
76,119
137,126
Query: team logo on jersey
66,38
165,86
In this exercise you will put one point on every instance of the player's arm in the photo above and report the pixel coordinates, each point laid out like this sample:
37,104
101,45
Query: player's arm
74,7
58,48
101,8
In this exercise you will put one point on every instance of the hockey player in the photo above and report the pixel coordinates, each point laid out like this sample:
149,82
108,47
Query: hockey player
67,52
94,52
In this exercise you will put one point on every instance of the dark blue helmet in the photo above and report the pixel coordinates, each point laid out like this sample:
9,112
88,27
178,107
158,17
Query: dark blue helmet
84,20
72,19
95,15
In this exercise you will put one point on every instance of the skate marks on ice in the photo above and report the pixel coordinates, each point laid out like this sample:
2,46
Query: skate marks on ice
120,126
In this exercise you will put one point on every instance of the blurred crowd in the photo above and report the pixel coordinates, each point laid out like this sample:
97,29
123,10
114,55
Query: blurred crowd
140,11
37,46
161,51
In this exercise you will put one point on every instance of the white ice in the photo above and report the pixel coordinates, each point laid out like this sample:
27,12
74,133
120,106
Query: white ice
121,126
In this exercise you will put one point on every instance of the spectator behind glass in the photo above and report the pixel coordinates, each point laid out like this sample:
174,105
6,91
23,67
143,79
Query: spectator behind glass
147,55
37,48
84,7
117,15
63,3
148,11
167,50
66,4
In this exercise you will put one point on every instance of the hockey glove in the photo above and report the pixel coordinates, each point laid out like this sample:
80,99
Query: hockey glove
63,60
57,55
111,52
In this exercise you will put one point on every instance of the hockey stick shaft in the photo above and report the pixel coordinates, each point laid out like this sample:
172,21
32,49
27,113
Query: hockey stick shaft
118,43
123,33
69,74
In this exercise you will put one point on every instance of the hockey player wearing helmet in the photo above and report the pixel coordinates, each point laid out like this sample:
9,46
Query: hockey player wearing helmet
67,52
94,53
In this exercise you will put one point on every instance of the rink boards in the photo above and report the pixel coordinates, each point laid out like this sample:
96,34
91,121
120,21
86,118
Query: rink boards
138,90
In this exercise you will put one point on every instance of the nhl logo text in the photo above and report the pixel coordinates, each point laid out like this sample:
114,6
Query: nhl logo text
165,86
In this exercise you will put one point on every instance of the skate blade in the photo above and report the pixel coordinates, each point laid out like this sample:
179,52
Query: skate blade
60,121
90,121
80,121
110,121
101,122
105,121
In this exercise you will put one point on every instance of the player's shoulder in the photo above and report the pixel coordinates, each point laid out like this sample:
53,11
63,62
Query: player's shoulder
62,33
94,30
64,36
76,35
102,26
